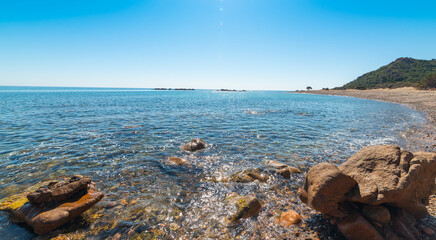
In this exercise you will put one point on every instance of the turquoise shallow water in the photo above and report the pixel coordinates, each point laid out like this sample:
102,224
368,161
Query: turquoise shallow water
122,138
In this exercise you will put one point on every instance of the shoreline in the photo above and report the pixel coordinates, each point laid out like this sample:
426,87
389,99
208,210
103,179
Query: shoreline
422,139
424,101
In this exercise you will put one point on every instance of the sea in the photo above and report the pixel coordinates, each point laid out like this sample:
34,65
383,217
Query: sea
122,139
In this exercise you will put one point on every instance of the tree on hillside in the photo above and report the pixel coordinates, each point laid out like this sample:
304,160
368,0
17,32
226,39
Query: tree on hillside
309,88
429,81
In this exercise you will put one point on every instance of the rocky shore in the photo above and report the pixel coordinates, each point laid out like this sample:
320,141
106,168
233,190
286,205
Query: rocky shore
381,192
53,203
421,100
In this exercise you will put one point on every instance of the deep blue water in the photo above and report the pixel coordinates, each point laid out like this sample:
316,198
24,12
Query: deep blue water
122,138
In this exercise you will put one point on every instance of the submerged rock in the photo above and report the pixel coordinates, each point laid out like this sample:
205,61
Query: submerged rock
55,204
246,206
177,161
286,172
275,164
377,194
249,175
194,145
282,169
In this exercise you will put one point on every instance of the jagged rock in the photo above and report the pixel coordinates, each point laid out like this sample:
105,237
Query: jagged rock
194,145
249,175
325,188
46,219
246,206
356,227
289,218
385,174
58,203
378,193
59,191
177,161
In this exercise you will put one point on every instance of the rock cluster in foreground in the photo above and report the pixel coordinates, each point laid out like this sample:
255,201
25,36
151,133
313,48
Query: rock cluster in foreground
379,193
55,204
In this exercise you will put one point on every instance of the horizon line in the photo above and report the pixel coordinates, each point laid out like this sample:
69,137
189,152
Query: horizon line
147,88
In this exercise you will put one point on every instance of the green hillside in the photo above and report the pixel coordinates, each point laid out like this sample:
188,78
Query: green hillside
403,72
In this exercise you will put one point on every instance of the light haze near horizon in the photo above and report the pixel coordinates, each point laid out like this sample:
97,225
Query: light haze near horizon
209,44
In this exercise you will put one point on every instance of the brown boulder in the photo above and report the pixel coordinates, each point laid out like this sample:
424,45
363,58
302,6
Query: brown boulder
46,219
59,191
325,188
194,145
378,193
385,174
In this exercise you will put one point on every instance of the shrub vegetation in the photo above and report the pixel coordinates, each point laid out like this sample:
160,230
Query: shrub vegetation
403,72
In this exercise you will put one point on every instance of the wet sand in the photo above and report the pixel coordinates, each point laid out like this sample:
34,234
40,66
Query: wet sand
422,100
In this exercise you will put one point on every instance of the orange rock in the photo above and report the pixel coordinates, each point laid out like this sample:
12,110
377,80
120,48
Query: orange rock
177,161
289,218
124,202
46,219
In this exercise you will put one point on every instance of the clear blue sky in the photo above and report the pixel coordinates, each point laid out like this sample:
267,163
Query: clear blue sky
242,44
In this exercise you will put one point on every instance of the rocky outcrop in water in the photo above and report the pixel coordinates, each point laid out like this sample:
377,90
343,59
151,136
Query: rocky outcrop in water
249,175
59,191
177,161
377,194
55,204
281,168
246,206
194,145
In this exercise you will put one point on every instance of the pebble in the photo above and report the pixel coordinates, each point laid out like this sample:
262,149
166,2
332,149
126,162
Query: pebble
124,202
289,218
174,226
428,231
